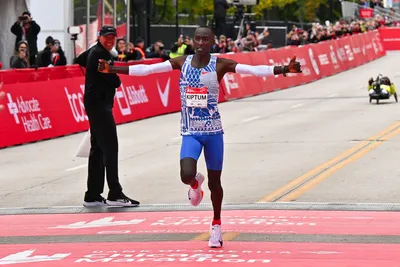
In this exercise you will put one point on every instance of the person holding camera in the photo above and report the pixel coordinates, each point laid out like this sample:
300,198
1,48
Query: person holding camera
157,51
26,29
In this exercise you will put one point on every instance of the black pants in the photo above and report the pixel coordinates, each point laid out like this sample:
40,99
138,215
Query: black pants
220,23
103,157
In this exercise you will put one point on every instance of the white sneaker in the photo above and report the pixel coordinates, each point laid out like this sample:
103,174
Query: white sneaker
196,195
215,240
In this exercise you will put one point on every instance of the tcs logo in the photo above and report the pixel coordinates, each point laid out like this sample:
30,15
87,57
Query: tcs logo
77,107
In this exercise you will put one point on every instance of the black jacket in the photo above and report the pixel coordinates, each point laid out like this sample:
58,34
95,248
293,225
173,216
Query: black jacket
99,87
17,63
31,36
44,58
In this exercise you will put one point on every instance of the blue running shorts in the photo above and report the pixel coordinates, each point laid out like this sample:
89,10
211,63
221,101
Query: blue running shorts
192,146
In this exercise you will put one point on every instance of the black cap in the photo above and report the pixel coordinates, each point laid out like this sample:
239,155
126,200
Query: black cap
107,30
26,13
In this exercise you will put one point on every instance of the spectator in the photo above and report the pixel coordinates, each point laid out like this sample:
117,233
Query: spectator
20,60
363,4
157,51
58,56
139,47
232,46
222,46
125,54
44,56
26,29
189,46
220,8
178,49
376,3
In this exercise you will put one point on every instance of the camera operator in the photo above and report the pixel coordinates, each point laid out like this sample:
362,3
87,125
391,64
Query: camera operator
157,51
26,29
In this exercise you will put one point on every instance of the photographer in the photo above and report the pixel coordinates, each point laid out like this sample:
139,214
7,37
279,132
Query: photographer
26,29
157,51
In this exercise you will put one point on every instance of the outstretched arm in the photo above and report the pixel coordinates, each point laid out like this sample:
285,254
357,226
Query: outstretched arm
259,70
142,69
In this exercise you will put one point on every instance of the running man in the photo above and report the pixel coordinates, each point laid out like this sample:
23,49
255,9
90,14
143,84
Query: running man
201,125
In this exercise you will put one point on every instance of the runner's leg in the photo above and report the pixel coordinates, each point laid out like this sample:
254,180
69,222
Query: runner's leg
190,152
214,154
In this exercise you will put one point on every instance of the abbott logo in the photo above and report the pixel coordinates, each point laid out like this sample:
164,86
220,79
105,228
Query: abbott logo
164,95
128,96
13,108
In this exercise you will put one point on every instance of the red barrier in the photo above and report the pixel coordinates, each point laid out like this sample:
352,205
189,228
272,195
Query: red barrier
13,76
390,38
47,109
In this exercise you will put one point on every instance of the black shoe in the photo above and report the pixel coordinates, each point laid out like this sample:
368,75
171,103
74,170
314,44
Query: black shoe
121,200
94,201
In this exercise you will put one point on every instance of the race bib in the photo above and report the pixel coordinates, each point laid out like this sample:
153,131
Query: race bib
196,97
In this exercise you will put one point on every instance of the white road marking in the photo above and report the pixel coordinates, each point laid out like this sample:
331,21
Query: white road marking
296,106
332,95
251,119
76,167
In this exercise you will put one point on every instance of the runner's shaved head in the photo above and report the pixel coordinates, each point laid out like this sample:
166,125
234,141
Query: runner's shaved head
203,40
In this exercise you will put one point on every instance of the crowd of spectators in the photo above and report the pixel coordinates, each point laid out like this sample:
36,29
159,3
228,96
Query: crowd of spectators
26,30
26,53
329,31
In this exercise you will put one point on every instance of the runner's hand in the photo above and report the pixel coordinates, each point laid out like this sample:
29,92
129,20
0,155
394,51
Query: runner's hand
294,66
103,66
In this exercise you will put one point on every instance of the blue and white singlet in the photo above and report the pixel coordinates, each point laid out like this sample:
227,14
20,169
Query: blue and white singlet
199,90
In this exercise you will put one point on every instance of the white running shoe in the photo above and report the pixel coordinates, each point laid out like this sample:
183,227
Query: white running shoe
196,195
215,240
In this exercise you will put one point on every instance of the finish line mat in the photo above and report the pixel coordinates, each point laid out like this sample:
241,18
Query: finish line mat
179,238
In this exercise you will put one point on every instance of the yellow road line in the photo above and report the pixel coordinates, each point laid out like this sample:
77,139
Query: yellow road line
228,236
330,166
201,237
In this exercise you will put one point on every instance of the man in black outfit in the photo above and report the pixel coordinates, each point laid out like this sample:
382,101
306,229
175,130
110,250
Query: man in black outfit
25,28
99,100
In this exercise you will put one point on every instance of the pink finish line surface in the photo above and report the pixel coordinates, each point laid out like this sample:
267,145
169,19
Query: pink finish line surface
197,254
242,221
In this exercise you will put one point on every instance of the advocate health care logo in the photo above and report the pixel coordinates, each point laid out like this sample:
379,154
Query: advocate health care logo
27,113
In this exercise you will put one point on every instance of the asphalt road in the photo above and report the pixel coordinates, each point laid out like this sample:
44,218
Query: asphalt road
310,143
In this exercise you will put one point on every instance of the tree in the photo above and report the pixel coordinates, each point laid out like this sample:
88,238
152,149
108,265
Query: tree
268,4
192,8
